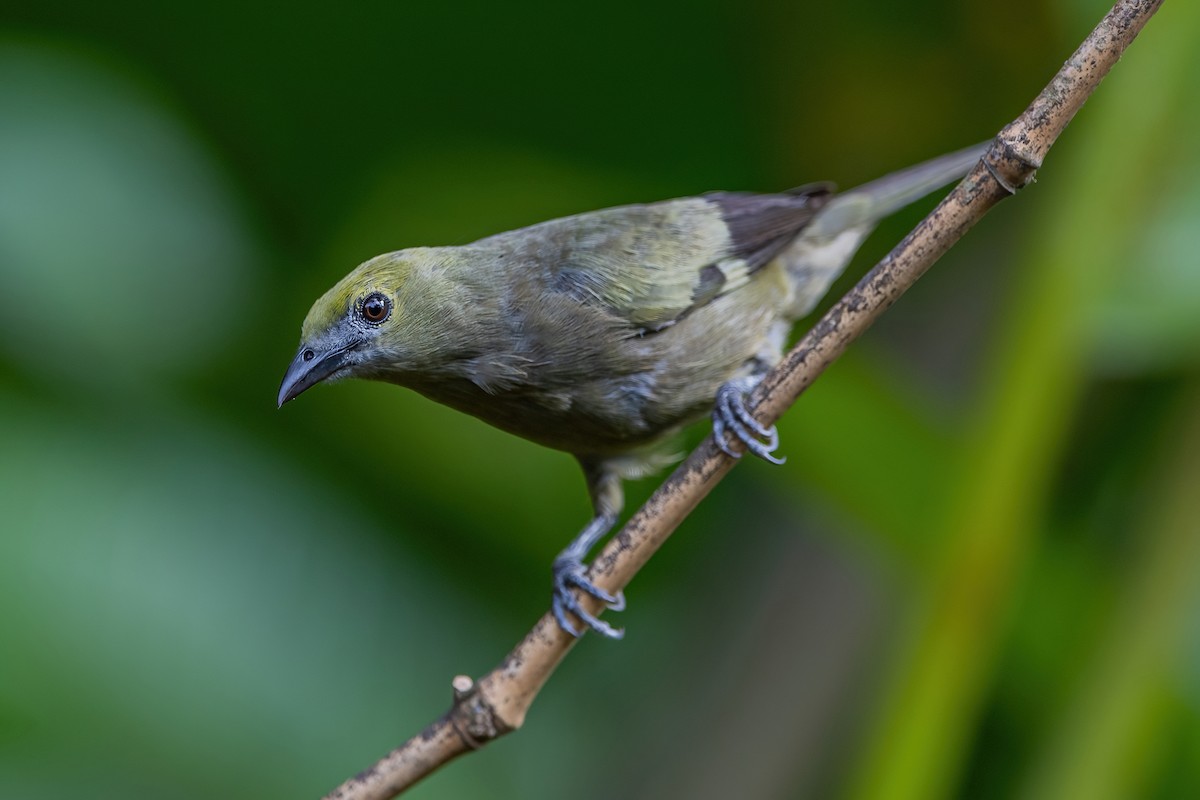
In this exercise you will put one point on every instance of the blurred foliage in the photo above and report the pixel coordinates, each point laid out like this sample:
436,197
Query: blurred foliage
975,577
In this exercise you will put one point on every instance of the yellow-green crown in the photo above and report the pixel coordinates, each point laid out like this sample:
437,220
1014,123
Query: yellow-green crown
383,273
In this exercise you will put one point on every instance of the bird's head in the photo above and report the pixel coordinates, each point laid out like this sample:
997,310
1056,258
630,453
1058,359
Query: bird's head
359,326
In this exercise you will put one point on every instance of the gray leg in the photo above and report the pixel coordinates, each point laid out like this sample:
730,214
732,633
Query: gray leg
568,570
730,416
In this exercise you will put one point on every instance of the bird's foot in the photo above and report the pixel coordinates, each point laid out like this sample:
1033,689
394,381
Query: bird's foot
569,575
731,416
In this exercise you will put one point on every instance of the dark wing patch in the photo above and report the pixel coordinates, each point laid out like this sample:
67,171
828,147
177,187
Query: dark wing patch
761,224
712,280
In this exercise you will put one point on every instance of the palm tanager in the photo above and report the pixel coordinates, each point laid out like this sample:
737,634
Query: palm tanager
604,333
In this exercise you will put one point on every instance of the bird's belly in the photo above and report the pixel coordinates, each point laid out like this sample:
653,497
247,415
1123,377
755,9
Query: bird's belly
595,417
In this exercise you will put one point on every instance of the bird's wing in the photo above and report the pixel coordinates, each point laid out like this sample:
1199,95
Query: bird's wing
761,224
650,264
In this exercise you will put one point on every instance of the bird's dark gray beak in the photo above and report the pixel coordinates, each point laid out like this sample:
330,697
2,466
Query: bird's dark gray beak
310,367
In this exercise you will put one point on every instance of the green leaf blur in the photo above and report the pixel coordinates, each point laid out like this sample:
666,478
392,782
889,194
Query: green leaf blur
974,578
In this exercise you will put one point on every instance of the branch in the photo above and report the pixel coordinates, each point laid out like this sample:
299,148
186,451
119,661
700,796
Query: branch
498,702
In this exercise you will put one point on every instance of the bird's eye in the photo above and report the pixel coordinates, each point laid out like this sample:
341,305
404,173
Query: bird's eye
376,307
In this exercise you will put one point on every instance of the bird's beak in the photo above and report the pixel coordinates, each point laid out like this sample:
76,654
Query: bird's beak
310,367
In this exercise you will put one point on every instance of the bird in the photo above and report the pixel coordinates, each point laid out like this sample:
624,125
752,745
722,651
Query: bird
604,333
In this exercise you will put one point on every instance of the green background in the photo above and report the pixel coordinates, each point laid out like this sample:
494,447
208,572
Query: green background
975,577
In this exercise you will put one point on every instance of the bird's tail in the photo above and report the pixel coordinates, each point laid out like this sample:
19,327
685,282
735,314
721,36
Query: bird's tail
826,245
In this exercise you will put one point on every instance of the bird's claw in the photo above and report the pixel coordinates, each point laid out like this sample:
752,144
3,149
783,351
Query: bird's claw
568,576
731,416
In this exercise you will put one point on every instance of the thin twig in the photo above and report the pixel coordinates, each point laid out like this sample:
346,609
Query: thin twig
498,702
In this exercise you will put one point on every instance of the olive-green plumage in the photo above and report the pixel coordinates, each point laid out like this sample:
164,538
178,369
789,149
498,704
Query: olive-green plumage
602,333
